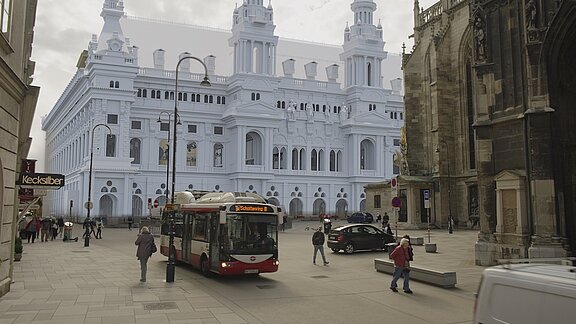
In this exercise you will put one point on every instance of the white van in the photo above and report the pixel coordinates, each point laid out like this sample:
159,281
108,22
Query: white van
526,293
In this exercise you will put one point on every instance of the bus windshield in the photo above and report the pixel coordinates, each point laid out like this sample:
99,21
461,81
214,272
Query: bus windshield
250,233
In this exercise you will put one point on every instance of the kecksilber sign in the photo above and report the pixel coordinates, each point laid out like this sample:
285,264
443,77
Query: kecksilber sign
41,180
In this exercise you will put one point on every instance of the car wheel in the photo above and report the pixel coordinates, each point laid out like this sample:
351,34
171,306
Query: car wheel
205,267
335,250
349,248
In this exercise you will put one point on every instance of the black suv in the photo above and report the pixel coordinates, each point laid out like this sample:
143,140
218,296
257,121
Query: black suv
355,237
360,218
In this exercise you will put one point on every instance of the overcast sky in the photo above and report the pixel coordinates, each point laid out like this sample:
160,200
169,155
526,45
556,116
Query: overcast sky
64,28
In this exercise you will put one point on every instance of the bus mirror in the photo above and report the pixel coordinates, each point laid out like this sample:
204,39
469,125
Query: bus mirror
222,217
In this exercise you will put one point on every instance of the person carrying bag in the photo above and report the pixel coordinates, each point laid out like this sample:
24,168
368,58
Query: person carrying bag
401,257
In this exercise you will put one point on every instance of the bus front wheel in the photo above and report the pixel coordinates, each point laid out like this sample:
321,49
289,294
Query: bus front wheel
205,267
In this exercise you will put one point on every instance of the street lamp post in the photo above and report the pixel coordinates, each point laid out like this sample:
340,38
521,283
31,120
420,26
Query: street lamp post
170,268
89,204
168,155
450,220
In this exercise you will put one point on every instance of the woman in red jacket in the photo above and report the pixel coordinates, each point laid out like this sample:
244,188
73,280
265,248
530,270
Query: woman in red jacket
401,257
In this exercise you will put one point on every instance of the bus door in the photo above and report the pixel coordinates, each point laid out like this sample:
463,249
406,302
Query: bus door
186,237
213,238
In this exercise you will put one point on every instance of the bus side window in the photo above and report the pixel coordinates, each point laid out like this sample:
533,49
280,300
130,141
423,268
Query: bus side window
200,227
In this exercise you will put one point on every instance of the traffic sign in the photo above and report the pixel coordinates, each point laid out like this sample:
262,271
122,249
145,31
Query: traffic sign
394,186
396,202
426,194
155,203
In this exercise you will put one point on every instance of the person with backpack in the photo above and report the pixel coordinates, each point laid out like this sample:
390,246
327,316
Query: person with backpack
318,242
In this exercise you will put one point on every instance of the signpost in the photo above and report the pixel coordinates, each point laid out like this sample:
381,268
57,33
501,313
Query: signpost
427,206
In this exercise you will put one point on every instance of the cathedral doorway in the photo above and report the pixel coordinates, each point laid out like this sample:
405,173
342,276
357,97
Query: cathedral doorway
296,207
319,207
341,208
106,206
136,206
560,45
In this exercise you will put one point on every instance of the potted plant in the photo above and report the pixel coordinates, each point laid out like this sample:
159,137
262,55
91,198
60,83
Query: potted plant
18,249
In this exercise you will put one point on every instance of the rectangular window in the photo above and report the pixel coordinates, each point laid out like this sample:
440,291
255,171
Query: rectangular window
192,129
165,127
377,203
5,17
200,228
136,124
111,145
396,142
218,130
112,119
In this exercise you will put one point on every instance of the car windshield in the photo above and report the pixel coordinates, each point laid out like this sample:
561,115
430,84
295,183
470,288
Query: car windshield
250,233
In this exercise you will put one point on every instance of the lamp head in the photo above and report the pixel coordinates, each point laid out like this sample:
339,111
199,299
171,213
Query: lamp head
159,120
437,149
179,122
206,81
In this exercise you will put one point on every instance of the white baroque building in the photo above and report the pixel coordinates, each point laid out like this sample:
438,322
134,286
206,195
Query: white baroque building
302,142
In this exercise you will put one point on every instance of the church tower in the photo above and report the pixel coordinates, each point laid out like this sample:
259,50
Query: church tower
363,47
253,38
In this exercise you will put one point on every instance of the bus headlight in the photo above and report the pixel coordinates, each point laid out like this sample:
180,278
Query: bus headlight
276,262
225,265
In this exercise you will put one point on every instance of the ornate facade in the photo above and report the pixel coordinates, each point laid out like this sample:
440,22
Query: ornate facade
17,105
489,123
303,143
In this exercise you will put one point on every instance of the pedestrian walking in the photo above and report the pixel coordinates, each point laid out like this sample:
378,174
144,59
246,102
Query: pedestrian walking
92,227
284,221
99,226
378,218
401,257
31,230
86,227
46,229
130,221
60,222
146,247
318,242
54,230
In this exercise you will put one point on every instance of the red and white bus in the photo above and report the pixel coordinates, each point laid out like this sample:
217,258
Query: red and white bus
228,233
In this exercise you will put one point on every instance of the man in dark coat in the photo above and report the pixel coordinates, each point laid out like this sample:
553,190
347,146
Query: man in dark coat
318,242
146,247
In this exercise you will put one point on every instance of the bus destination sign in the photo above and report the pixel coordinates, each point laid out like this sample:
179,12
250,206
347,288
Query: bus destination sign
251,209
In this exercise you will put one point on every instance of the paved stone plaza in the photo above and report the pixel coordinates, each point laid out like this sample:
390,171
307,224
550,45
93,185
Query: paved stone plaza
58,282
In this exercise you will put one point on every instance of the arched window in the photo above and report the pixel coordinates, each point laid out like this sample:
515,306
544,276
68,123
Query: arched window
197,98
295,159
192,97
112,84
185,97
369,74
253,96
332,160
275,157
283,158
223,100
339,161
314,160
116,84
166,95
283,104
218,100
257,96
144,93
278,104
211,99
302,158
218,155
253,149
367,155
171,95
163,152
205,98
179,96
111,145
135,145
136,206
191,154
320,160
138,94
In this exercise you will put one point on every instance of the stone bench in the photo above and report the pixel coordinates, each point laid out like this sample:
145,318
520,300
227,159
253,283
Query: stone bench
444,279
417,240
